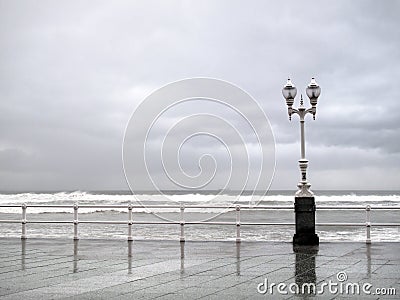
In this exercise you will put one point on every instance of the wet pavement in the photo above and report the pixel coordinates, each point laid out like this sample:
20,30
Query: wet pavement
115,269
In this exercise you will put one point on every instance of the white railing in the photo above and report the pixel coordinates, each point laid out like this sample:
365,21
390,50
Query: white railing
130,222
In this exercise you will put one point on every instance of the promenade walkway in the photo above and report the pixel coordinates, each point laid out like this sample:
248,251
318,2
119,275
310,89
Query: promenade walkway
115,269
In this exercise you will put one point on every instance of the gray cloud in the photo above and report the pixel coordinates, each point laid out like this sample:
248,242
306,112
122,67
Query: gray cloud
72,72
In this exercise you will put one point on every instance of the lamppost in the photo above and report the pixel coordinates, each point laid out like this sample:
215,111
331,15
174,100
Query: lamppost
304,205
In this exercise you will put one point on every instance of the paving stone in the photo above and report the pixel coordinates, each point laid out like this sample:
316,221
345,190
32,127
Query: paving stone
105,269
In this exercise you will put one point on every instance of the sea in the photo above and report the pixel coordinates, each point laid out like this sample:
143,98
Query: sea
220,208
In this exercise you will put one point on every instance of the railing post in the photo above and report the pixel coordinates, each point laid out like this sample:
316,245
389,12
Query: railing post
182,223
23,222
238,239
368,224
76,222
130,222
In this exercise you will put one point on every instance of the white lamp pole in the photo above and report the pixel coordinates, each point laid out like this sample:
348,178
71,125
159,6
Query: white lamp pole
304,197
313,91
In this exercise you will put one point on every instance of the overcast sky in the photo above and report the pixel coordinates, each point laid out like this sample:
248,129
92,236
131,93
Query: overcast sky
73,72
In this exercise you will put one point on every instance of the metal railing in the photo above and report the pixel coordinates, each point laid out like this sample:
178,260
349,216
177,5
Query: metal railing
130,222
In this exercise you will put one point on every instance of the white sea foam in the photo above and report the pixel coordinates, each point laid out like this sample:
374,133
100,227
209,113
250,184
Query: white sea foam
85,198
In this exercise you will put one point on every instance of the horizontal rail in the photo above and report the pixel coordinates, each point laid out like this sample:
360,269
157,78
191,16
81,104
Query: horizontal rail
144,222
47,222
193,223
150,206
342,224
10,221
283,207
357,207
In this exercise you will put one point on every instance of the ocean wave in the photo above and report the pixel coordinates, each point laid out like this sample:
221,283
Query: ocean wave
87,198
79,196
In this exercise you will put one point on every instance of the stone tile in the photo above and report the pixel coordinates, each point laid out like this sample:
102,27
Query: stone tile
98,269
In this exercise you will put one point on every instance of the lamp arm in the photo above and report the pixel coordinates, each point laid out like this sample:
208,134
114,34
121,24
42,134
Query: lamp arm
312,110
292,111
295,111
